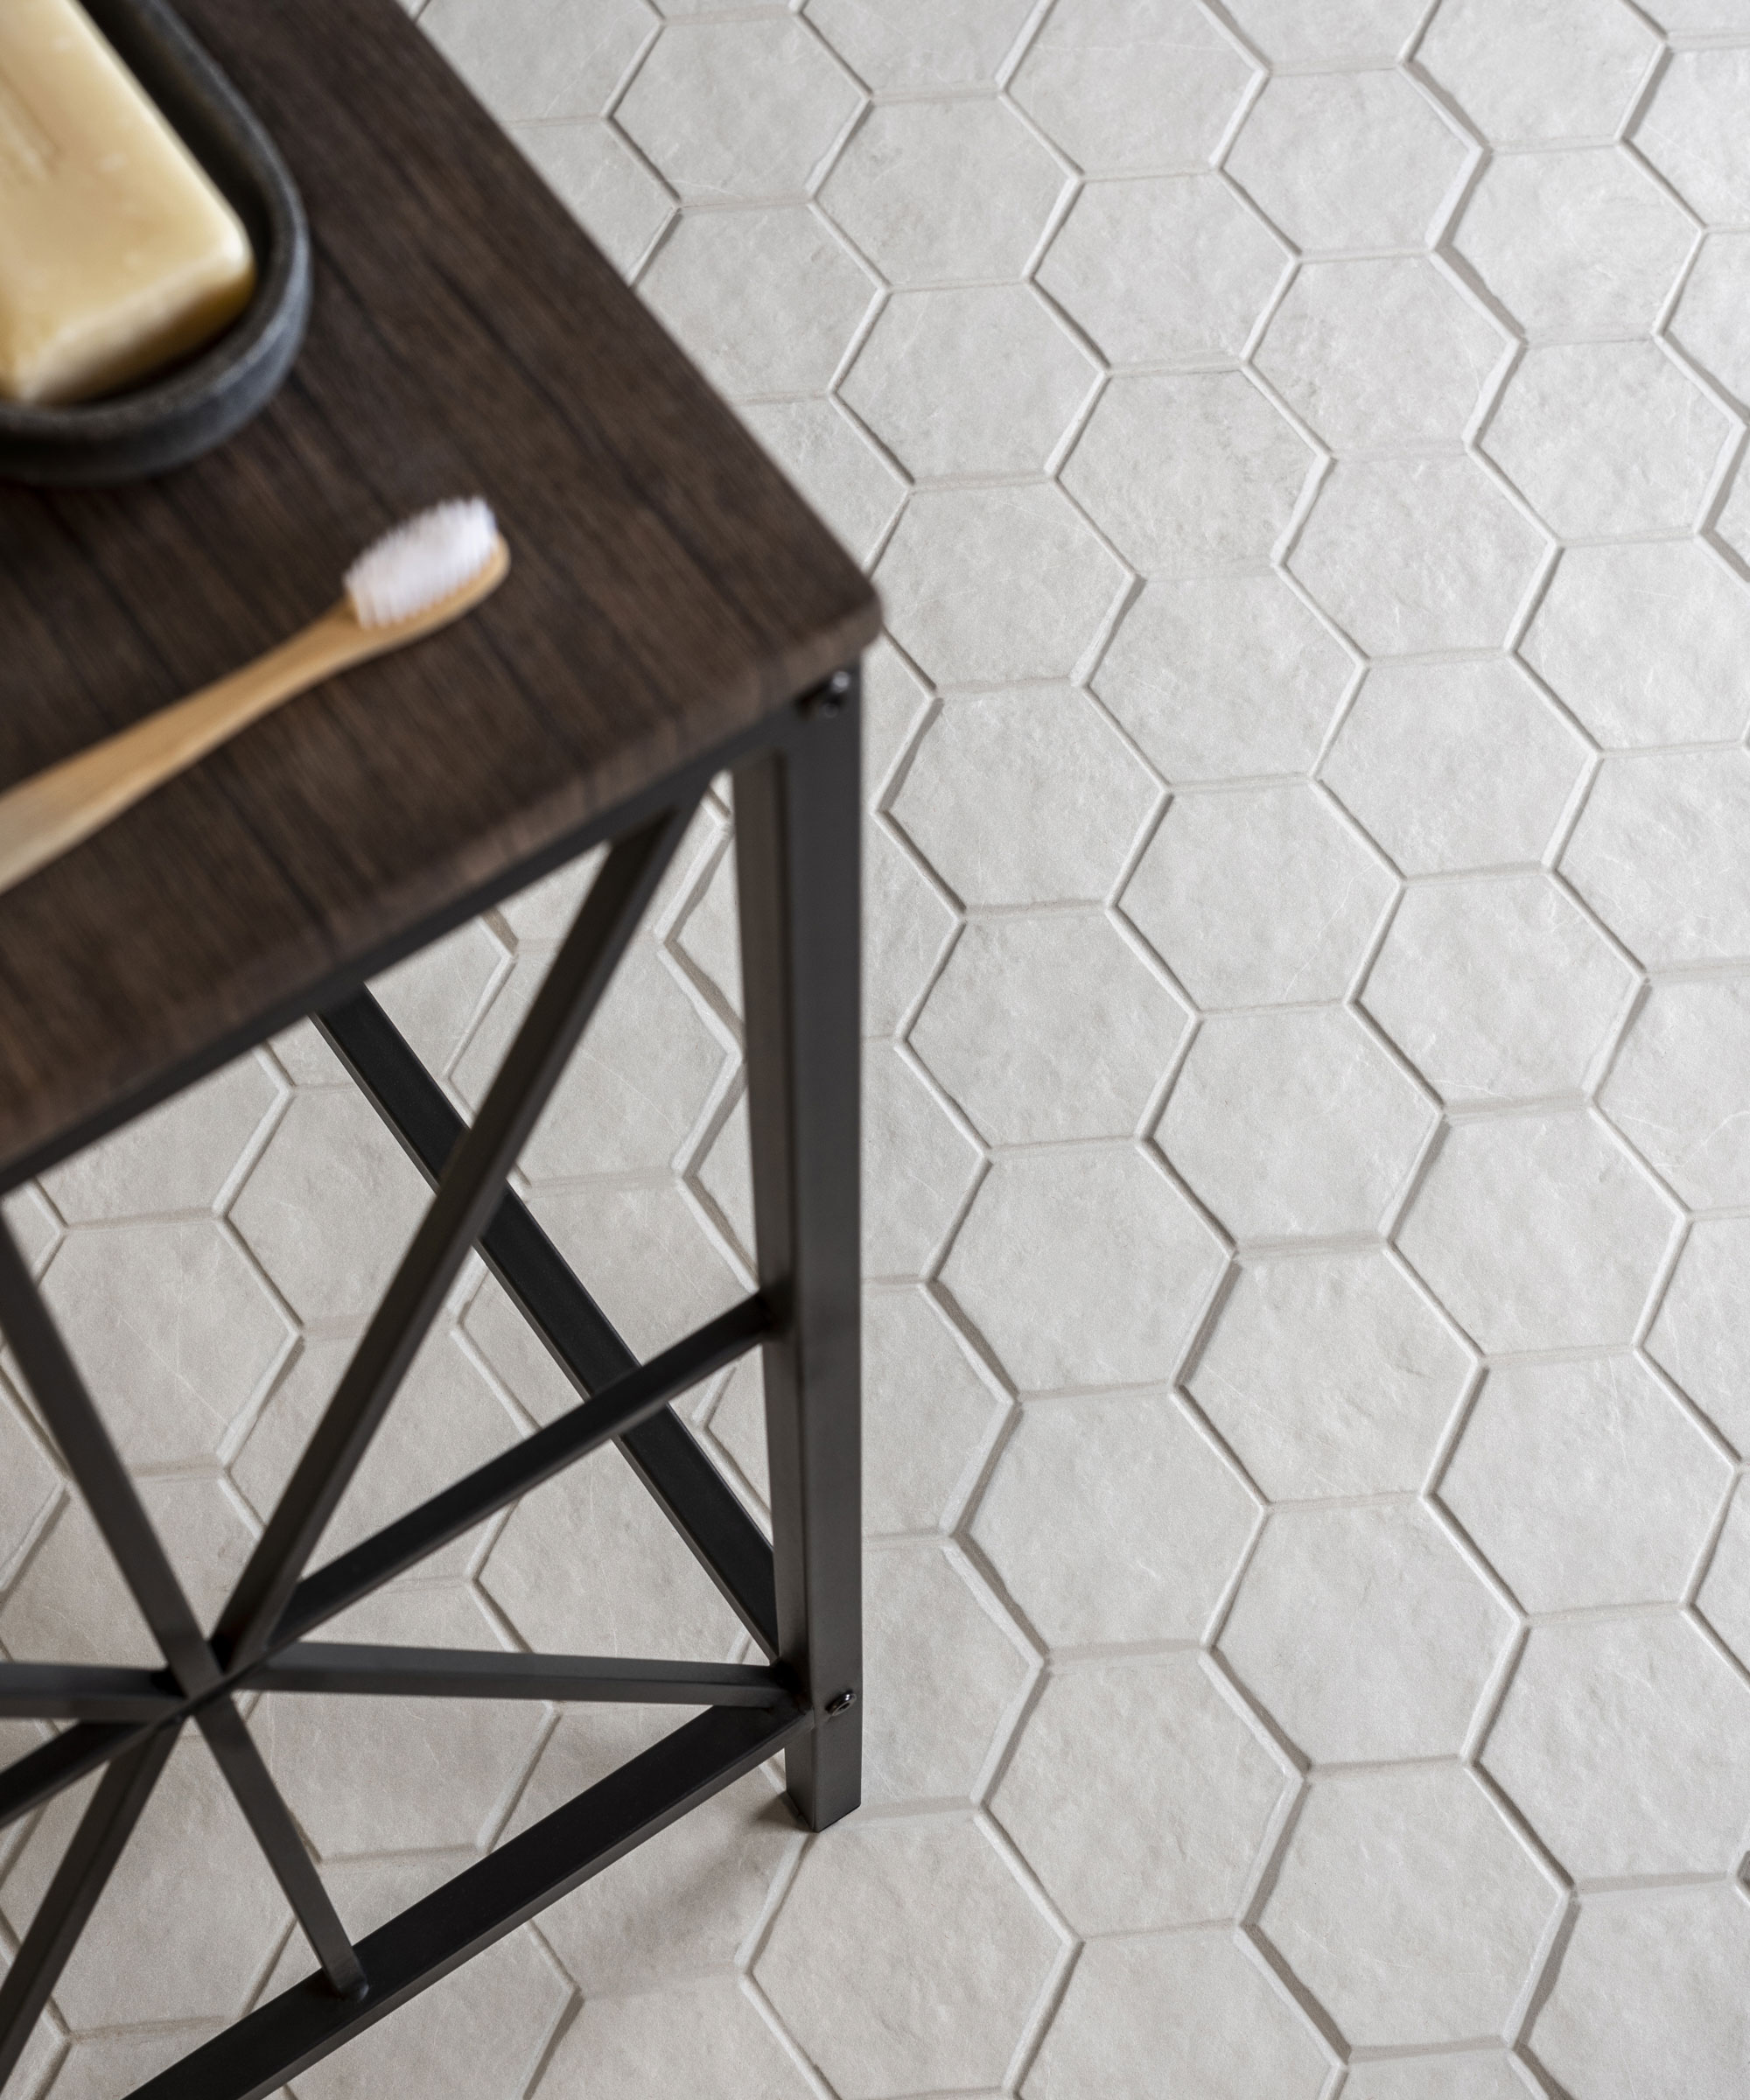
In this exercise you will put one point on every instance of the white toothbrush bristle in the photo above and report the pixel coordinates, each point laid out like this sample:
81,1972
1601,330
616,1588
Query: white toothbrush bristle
421,561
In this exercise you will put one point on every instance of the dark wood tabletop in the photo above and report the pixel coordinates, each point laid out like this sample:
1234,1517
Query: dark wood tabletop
669,590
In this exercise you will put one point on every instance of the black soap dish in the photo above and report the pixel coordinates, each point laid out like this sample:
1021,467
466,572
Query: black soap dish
165,422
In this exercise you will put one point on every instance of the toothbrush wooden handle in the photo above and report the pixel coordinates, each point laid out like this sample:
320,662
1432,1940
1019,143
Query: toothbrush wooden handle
51,812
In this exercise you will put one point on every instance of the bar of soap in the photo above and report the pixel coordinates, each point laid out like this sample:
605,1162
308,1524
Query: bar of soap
118,255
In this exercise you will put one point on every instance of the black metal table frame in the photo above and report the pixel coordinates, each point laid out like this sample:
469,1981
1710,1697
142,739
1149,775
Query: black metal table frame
797,811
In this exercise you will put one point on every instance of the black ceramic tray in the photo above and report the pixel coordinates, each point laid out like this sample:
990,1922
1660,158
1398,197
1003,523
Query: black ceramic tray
165,422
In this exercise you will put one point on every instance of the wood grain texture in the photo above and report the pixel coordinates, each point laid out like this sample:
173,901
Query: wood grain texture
668,592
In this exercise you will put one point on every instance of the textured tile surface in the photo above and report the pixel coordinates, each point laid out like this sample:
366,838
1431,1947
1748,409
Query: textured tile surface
1308,1210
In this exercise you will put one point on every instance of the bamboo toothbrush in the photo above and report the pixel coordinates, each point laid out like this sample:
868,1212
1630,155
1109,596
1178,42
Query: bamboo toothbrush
415,579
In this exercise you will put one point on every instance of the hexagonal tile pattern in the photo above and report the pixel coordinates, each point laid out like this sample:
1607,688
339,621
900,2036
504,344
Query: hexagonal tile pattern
1627,1744
1723,1598
912,923
1049,1027
1112,1519
1365,1632
980,379
705,2039
1167,1840
1025,797
736,109
1575,243
1538,1233
1188,471
834,465
1327,1375
1380,354
1484,2075
909,47
767,300
1654,853
1221,676
1695,1337
172,1329
1342,160
995,584
1082,1268
1332,1155
1455,765
968,1970
1607,439
1691,133
1654,1986
1407,1904
1414,555
29,1481
1498,990
1564,69
435,996
1679,1091
602,183
926,1413
1705,320
933,191
1208,895
539,58
1586,1484
920,1166
1121,87
178,1158
944,1673
1195,2005
1163,268
1638,642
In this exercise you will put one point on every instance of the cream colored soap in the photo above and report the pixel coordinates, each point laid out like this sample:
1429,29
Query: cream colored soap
118,255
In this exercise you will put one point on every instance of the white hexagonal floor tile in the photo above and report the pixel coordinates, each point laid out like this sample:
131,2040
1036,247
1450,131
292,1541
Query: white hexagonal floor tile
1538,1233
727,109
1049,1027
1328,1374
1166,266
1365,1632
834,465
1188,470
705,2039
1455,765
1169,1837
1414,555
1653,1989
927,1413
918,1166
1625,1744
178,1157
435,995
909,923
968,1968
995,584
766,299
1498,989
913,45
1565,69
1377,354
1575,243
602,183
1725,1596
529,59
1192,2009
1586,1484
29,1481
1209,895
1348,159
1706,320
1111,1520
1025,797
1082,1268
1655,854
936,192
1406,1904
172,1330
944,1672
1607,439
972,380
1697,1336
1693,132
1291,1124
1679,1089
1221,676
1640,642
1483,2075
1117,87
